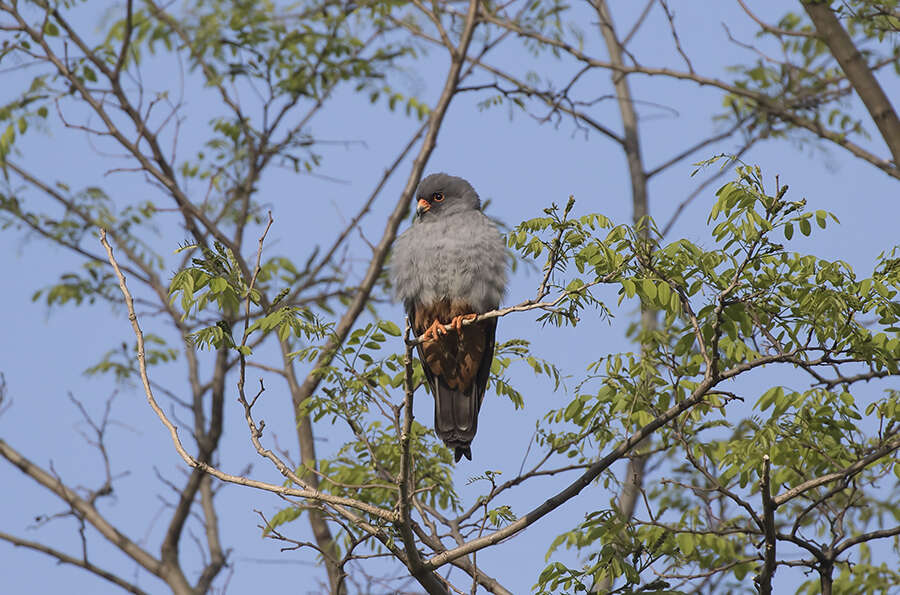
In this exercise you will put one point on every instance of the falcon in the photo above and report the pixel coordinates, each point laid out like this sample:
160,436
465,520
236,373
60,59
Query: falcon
450,266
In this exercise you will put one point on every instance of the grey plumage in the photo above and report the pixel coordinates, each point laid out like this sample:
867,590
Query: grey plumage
452,261
456,252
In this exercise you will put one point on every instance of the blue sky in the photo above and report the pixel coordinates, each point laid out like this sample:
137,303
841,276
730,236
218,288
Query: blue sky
519,164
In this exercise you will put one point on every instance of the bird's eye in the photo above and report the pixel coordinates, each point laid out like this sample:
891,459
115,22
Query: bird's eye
437,196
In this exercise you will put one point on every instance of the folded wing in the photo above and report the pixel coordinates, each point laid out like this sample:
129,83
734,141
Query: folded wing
457,367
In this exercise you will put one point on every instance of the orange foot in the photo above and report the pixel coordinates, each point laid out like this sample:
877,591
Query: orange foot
458,320
432,332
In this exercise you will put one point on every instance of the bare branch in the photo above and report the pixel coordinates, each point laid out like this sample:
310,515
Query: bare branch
703,186
772,29
85,509
765,103
857,70
126,39
854,541
694,148
529,304
671,18
304,492
64,558
399,213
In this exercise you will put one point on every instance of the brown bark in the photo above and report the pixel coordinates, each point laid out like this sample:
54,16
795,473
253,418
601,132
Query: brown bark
321,532
634,473
632,142
767,572
207,443
171,574
858,73
302,391
767,104
825,578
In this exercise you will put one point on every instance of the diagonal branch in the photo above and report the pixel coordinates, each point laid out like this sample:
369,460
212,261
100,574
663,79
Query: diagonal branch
849,471
64,558
766,104
528,305
400,210
305,491
84,508
574,488
858,72
853,541
772,29
626,446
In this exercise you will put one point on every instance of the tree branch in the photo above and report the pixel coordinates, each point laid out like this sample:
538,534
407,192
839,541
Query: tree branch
64,558
89,513
767,572
343,327
304,492
849,471
858,72
768,105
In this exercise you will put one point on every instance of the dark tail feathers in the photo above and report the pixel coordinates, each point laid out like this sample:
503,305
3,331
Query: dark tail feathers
462,451
456,417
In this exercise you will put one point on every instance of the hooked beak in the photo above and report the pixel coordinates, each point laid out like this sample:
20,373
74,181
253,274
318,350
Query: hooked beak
422,206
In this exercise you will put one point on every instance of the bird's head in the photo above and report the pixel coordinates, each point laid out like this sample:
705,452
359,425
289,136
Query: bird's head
442,194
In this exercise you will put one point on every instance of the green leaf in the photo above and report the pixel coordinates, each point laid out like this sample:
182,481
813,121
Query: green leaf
389,327
664,293
281,517
686,543
769,397
684,343
218,284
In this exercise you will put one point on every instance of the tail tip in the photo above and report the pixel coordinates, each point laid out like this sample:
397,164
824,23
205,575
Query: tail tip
462,451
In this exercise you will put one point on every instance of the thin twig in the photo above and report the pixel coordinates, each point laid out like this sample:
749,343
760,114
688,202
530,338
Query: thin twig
303,492
529,304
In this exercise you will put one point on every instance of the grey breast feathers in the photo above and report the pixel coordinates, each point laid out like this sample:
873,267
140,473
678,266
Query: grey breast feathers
458,257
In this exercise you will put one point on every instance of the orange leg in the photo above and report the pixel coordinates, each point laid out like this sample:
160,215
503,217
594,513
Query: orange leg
432,332
458,320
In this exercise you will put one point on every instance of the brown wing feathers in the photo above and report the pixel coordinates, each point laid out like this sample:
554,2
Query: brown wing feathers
457,367
455,358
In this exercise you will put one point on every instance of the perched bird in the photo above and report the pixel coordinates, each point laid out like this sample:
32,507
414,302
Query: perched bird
450,266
